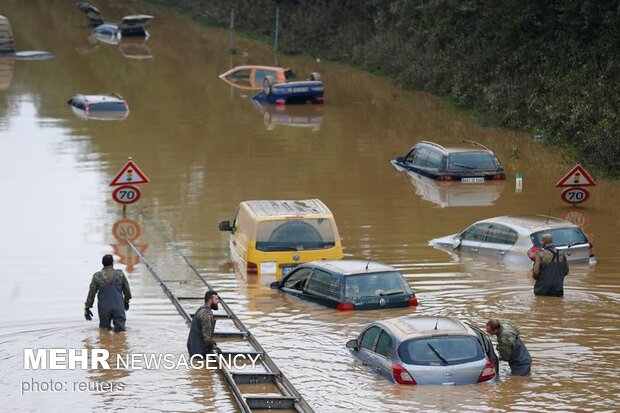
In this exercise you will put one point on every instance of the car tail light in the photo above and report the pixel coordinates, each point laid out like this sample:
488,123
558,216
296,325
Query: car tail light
345,306
280,102
413,302
591,249
531,253
318,101
499,176
252,268
488,372
87,107
444,178
401,375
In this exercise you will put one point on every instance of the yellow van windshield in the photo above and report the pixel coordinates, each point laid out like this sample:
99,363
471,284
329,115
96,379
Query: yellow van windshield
295,235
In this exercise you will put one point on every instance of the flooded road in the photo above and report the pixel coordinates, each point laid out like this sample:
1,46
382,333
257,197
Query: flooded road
205,147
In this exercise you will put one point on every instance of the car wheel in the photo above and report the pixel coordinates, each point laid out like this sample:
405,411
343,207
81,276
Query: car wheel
315,76
267,84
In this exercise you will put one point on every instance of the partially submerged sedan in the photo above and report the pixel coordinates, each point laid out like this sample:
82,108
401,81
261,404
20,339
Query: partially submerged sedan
251,77
111,32
426,350
517,238
348,285
301,92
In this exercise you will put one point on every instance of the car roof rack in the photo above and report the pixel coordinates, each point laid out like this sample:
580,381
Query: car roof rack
475,143
433,144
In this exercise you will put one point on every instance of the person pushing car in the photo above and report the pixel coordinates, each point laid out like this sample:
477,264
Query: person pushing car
510,347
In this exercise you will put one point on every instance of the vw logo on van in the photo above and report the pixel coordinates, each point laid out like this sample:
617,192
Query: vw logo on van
382,302
295,257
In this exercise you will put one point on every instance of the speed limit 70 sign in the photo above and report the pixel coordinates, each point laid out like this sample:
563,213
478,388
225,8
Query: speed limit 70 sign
575,195
126,194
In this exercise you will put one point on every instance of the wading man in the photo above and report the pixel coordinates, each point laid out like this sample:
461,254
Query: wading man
510,346
550,268
200,340
113,295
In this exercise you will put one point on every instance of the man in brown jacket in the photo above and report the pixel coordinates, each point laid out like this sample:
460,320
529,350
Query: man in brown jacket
550,268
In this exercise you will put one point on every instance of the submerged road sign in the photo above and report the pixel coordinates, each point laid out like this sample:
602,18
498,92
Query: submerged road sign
129,174
577,176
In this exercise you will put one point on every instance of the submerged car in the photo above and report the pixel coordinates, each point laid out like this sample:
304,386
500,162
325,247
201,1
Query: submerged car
474,163
426,350
251,77
274,236
110,32
348,285
99,107
300,92
7,45
518,238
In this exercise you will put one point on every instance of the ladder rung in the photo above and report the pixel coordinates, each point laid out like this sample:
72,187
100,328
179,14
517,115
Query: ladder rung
229,334
270,402
190,298
241,377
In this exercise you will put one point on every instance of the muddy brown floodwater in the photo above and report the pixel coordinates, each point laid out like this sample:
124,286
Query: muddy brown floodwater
205,148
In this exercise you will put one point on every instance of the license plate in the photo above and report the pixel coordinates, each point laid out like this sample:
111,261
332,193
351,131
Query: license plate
287,270
473,180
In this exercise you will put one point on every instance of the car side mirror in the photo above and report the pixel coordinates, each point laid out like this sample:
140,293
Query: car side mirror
353,344
456,243
274,285
225,226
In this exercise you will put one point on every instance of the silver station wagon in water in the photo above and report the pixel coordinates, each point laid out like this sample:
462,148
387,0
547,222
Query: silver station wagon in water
426,350
517,238
348,285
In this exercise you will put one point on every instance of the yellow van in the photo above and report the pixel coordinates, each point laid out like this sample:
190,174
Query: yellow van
272,237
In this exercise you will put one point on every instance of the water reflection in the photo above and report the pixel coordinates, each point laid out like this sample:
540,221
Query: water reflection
125,230
307,116
7,64
455,194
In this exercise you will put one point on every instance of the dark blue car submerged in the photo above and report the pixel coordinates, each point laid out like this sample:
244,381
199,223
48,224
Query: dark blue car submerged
348,285
301,92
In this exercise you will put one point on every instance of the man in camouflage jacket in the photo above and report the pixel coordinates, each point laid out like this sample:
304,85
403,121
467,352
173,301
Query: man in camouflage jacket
113,295
550,268
200,340
510,346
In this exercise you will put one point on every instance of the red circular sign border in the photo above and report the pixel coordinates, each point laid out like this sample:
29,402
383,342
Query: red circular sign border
567,190
120,188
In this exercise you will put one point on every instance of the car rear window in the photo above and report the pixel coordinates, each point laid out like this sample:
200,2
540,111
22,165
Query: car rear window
446,350
469,161
561,236
108,107
295,235
374,285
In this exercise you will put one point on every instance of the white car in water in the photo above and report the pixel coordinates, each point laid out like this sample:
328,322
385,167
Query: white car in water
517,238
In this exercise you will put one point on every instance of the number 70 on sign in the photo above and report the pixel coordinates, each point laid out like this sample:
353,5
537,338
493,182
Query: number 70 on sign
126,194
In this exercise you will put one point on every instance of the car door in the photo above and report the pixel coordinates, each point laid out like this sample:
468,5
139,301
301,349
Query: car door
295,282
487,345
498,241
367,342
380,358
472,238
323,287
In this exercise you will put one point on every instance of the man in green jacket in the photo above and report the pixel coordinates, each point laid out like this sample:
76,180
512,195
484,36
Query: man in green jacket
200,340
510,346
113,295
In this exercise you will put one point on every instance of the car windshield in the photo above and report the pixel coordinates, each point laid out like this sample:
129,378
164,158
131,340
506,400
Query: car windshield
108,107
295,235
374,285
468,161
561,237
445,350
